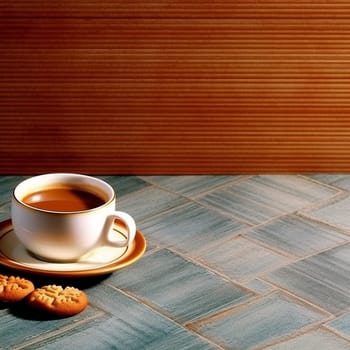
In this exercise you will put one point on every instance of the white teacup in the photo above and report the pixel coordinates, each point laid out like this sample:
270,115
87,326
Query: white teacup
61,217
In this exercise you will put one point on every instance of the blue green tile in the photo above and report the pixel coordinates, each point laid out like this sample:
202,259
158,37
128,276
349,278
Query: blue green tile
342,182
128,324
148,202
190,227
5,211
241,259
7,185
318,339
151,246
298,235
260,323
327,178
323,279
339,180
261,198
180,288
124,185
210,279
17,326
341,324
335,212
191,185
259,287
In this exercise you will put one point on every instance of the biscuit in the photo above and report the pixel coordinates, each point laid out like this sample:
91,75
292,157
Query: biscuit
14,289
58,301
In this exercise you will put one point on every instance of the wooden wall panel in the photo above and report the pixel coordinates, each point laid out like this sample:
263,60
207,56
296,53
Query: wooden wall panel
174,87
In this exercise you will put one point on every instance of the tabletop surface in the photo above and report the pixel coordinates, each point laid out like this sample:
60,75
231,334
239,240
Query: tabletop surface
232,262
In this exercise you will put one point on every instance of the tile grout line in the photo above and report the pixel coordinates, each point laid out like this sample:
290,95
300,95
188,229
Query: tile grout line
244,281
341,244
239,179
191,201
61,330
331,316
223,313
162,313
324,202
196,260
266,246
188,200
224,213
194,199
343,312
243,234
235,182
304,330
309,206
295,258
330,185
283,339
262,277
336,332
344,230
202,264
299,333
236,308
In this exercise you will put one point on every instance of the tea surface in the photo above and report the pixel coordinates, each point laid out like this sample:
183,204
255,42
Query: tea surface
63,200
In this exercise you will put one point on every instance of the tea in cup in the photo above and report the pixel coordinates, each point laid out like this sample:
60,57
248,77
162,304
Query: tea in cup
62,216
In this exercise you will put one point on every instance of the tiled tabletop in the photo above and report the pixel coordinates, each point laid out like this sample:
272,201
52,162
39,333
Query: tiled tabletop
232,262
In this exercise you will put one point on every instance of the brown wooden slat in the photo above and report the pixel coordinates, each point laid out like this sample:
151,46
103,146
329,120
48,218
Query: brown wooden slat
174,87
176,9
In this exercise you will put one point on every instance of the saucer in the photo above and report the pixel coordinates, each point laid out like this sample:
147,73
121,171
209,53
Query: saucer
99,261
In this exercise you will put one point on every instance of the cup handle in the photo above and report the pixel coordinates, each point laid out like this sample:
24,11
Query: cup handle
129,223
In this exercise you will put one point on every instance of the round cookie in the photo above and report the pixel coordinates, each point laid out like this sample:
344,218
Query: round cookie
57,300
14,289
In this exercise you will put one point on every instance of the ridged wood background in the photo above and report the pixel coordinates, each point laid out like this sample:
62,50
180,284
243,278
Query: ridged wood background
175,87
